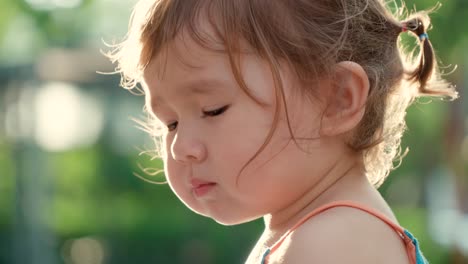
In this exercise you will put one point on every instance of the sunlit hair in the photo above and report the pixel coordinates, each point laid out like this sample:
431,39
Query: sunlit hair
310,37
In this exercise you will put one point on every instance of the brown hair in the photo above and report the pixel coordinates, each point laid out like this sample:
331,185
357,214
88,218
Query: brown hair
310,37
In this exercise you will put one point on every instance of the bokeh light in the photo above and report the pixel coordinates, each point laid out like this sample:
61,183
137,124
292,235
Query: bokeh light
63,118
86,250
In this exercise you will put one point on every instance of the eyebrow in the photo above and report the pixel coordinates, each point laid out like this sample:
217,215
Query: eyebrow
196,87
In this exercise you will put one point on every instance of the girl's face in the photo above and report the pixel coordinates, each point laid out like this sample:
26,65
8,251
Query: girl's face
214,129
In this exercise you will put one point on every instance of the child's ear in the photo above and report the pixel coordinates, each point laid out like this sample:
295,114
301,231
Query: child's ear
346,98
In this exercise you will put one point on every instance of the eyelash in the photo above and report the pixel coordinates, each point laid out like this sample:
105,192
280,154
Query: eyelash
213,113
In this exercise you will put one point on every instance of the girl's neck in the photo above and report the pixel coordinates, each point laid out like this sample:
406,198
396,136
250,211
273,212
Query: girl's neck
340,182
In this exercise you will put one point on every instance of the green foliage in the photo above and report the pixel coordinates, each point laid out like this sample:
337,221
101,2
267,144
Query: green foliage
7,185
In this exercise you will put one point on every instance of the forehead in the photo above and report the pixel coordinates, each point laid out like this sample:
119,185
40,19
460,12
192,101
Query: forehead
192,48
200,63
186,67
183,55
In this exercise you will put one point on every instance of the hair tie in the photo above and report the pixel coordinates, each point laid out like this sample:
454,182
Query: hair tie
404,27
423,36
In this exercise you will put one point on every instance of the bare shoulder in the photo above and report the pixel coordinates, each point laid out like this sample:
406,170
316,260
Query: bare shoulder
343,235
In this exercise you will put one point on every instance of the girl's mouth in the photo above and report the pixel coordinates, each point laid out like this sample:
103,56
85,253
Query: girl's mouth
200,188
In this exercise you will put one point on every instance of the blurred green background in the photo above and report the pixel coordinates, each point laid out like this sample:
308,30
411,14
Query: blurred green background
69,151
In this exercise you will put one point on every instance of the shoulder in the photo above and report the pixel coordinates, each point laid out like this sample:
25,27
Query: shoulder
344,235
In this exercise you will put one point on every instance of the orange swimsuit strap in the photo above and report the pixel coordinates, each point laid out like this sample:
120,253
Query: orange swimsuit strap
411,243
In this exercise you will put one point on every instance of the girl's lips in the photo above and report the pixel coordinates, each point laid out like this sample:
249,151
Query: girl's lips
200,188
203,189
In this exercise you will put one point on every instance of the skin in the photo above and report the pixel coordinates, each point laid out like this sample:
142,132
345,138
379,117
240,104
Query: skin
214,128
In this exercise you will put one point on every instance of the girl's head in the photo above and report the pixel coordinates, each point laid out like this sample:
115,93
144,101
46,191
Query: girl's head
268,90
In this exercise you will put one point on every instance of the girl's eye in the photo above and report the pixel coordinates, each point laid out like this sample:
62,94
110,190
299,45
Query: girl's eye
215,112
172,126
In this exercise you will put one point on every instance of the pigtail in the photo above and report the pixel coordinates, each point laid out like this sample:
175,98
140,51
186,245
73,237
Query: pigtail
426,61
425,73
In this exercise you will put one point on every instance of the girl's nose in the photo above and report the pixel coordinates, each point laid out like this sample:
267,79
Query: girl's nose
187,149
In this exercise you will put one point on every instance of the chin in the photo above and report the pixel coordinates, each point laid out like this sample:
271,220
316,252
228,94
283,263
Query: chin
227,220
229,223
224,216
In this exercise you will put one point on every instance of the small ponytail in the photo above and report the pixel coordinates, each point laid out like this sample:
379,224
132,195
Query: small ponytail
426,69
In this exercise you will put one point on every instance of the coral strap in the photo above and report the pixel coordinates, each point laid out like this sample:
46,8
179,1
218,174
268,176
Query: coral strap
410,247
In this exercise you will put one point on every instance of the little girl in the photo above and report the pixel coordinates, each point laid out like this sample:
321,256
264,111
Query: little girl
289,110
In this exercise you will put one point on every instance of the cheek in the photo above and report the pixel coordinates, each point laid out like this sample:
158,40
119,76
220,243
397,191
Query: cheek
175,178
259,168
172,171
271,168
238,146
